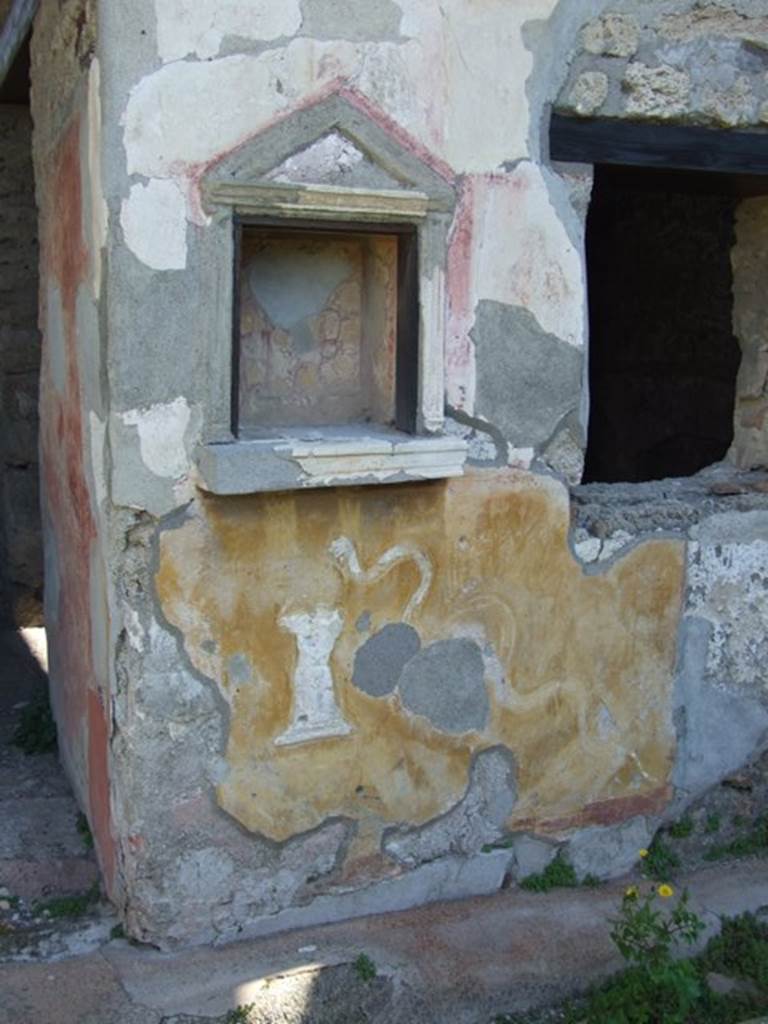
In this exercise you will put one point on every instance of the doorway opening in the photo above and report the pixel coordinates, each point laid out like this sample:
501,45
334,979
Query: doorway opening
663,355
21,549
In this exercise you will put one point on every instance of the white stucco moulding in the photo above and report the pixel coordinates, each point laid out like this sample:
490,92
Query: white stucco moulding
420,197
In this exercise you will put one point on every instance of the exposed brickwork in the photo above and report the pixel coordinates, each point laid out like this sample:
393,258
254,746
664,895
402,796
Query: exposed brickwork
22,577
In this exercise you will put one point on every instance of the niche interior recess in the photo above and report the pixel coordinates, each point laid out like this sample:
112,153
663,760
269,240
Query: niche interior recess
663,357
327,329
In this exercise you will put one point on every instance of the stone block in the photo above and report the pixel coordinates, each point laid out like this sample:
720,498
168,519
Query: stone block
661,92
589,92
608,852
613,35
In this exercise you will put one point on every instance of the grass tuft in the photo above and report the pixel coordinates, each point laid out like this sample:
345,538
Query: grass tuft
36,731
364,968
69,906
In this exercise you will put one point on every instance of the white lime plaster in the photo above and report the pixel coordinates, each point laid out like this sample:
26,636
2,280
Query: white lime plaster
164,133
472,63
97,205
345,554
520,254
459,75
153,219
520,458
315,713
198,27
98,431
162,429
531,262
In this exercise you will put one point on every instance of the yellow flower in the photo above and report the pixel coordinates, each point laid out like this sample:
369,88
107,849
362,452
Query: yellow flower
643,854
665,891
631,893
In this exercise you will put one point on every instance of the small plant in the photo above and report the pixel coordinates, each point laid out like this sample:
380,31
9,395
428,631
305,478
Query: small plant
364,968
117,932
557,874
85,830
36,731
712,824
69,906
659,861
656,988
241,1014
681,829
740,950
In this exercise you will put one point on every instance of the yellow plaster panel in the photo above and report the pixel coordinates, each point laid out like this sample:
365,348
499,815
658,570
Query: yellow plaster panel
578,668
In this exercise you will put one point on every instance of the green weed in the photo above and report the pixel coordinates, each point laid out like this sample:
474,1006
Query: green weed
364,968
559,874
85,831
69,906
240,1015
660,862
681,829
36,731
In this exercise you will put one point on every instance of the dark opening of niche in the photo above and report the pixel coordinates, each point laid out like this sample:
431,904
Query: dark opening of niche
663,358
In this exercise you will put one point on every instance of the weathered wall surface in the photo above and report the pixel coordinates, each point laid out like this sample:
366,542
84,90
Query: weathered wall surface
21,583
65,111
750,321
296,707
351,736
702,63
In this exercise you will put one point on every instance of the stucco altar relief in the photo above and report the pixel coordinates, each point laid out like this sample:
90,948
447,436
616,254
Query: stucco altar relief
430,623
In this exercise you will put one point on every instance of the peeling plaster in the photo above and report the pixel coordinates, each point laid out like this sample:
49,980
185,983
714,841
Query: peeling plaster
162,429
153,219
451,84
530,263
198,27
98,204
98,430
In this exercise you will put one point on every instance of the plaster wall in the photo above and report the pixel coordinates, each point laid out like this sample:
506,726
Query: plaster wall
65,112
295,707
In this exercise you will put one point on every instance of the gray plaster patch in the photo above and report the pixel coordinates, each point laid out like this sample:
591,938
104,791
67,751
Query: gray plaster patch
485,445
349,19
532,856
445,683
608,852
719,729
527,379
478,819
293,284
381,659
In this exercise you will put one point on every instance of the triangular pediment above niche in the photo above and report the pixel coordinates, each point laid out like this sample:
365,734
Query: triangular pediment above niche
334,144
332,159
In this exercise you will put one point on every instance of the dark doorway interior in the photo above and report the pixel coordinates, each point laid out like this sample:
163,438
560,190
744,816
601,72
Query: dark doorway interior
663,358
21,556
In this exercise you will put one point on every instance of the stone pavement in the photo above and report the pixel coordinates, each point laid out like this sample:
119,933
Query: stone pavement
460,962
42,853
